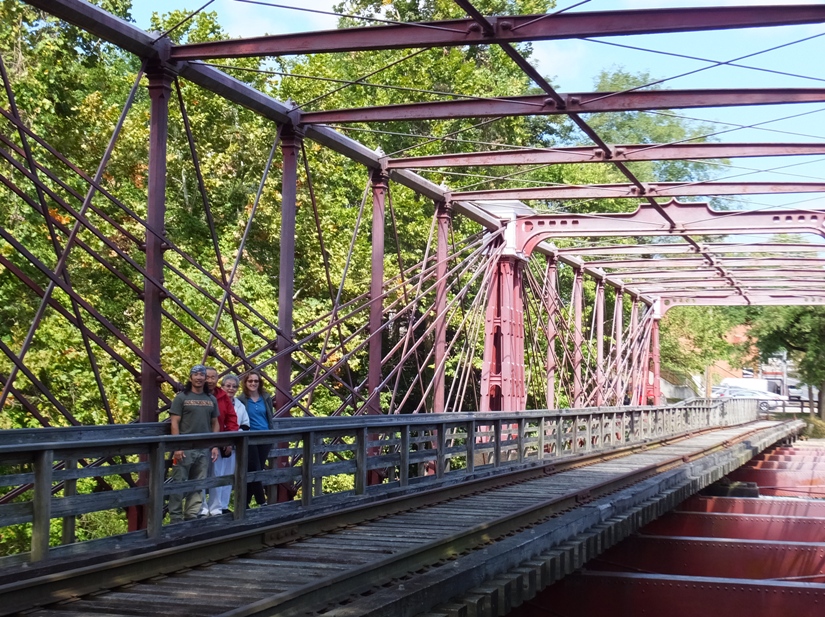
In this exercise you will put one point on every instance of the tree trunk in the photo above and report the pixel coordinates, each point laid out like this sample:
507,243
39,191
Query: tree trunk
822,401
810,400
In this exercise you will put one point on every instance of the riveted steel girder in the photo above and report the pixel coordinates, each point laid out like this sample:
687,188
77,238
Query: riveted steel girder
706,283
653,189
620,266
733,299
782,478
683,248
575,102
722,558
743,526
684,219
739,505
775,275
509,29
590,154
621,594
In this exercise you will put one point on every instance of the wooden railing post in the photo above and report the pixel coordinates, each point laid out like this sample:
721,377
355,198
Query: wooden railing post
307,464
360,461
471,446
69,489
42,504
441,446
239,482
157,476
404,471
497,444
542,438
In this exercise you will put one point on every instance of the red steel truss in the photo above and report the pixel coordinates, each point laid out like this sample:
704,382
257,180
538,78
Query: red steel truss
506,284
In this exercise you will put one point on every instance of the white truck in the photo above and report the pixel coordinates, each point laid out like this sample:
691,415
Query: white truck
748,383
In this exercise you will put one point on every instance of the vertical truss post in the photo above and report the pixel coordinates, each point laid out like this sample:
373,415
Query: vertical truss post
290,149
655,357
633,334
379,195
600,394
578,356
618,334
550,294
160,89
502,373
445,214
646,389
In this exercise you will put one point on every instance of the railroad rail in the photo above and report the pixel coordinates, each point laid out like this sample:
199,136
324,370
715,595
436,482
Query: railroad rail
312,555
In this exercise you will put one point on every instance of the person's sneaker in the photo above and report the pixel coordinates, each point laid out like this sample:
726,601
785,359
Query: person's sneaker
203,512
215,513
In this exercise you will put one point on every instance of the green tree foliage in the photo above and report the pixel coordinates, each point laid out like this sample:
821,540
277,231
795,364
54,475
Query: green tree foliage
693,337
799,330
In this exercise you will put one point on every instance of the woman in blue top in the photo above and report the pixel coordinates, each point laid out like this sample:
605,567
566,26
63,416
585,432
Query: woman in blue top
259,408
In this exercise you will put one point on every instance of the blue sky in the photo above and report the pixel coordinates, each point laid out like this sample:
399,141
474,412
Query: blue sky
574,64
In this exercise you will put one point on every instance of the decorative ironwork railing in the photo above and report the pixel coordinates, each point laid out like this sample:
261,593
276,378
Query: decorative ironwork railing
328,460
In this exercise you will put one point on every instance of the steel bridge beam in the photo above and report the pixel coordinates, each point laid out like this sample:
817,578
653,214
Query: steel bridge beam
619,266
684,219
578,102
653,189
750,299
682,248
591,154
776,275
509,29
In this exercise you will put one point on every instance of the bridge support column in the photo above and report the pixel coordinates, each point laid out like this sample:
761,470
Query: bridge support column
502,374
160,89
600,394
445,215
380,187
290,149
633,375
618,346
655,361
379,193
578,356
551,302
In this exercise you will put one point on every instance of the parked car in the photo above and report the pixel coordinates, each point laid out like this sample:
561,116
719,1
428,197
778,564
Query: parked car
795,393
767,400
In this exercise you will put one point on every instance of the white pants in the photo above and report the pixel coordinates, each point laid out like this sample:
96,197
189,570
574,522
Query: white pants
219,495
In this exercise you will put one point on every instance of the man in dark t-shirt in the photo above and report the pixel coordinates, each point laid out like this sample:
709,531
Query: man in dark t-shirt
193,411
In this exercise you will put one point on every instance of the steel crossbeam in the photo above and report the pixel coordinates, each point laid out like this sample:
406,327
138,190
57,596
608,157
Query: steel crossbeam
682,248
591,154
576,102
651,190
506,29
619,266
687,219
698,273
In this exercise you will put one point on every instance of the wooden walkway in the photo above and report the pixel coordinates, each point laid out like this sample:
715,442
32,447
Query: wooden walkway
378,566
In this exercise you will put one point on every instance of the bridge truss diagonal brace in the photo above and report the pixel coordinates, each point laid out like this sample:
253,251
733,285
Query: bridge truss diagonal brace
696,219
